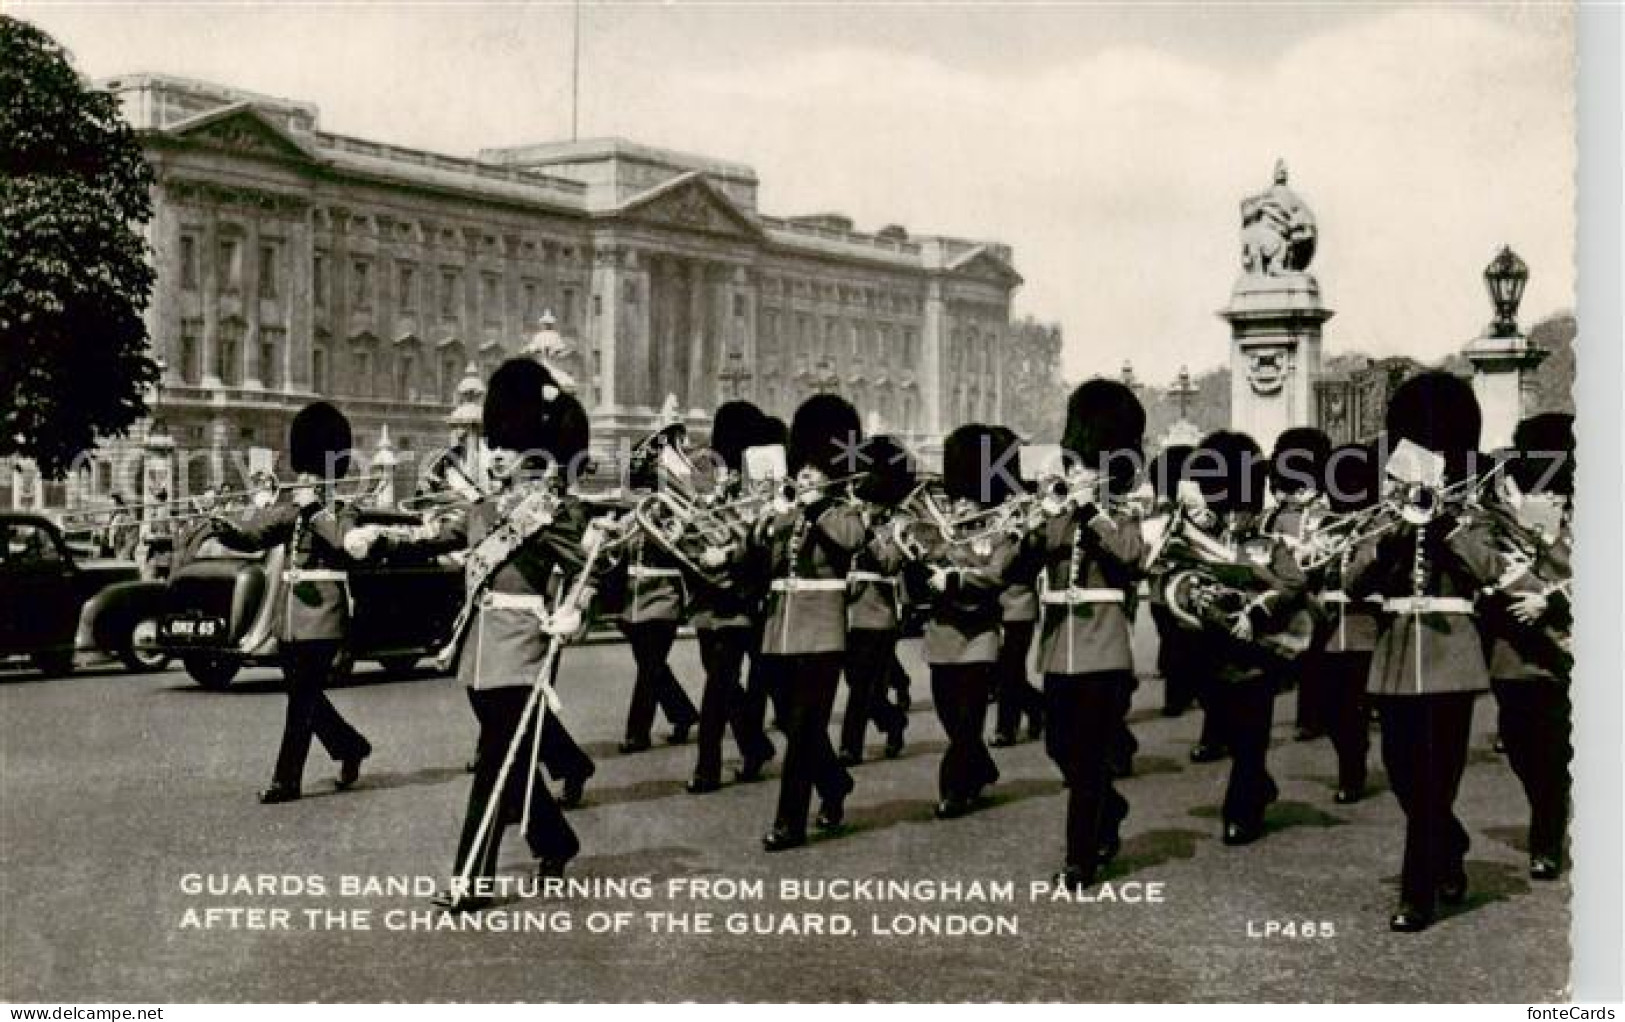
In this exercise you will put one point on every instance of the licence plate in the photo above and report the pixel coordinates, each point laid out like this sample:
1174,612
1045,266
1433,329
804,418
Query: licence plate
194,629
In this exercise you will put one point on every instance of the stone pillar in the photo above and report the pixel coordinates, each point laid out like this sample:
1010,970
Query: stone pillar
209,282
606,325
933,342
249,371
300,301
1275,347
384,463
1503,381
694,397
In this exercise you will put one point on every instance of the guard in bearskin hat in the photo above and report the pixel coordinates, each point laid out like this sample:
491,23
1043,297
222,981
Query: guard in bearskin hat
1352,486
1296,467
724,617
1428,664
517,538
808,539
1175,661
874,608
966,573
1243,675
1017,697
312,600
1091,548
1528,621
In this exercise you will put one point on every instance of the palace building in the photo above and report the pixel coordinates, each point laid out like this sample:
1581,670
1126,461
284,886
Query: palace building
294,263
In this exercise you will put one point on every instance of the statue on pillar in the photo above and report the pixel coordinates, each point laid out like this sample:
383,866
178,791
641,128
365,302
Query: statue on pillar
550,348
1277,230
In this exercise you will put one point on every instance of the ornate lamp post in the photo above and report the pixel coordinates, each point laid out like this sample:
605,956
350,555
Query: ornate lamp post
1505,278
1504,362
1183,390
825,378
1127,375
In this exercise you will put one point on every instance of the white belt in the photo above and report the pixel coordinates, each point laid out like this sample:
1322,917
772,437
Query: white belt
871,576
1068,597
514,601
315,575
1428,605
639,571
808,585
1334,597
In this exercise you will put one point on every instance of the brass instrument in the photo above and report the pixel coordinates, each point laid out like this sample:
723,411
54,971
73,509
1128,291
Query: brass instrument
1208,587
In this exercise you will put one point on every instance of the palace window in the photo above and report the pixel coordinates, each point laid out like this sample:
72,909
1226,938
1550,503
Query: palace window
568,318
230,356
450,375
268,271
450,283
272,342
191,350
405,372
406,286
361,373
230,269
490,299
361,284
739,306
318,371
318,281
528,290
188,262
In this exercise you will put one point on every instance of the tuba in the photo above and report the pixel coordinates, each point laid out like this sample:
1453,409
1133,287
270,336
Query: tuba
683,513
1207,585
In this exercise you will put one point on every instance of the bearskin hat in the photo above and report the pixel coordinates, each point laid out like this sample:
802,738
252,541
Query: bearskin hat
890,471
967,453
519,406
774,431
1544,460
1004,464
1231,470
1298,462
1351,480
1437,410
1105,424
1167,469
825,433
572,433
319,441
736,426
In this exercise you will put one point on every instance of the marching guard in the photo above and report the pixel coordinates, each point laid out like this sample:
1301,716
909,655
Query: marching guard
1428,666
1245,672
313,616
965,575
1017,697
1092,555
809,542
515,538
874,604
1530,614
724,617
1297,467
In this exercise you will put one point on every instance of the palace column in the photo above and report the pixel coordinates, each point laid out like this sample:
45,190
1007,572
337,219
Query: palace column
300,302
694,397
209,281
607,327
933,335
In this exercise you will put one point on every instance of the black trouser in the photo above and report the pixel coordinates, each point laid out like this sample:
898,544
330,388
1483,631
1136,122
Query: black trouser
723,704
1424,747
1535,727
898,678
1124,745
1177,662
870,653
651,649
549,834
1017,695
1246,708
960,694
306,667
806,685
1311,717
1343,678
1081,724
562,757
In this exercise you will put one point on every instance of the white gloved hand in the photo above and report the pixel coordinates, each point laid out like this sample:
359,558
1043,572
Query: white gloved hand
564,623
358,542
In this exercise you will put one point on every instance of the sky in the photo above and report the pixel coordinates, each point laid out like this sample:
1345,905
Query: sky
1109,144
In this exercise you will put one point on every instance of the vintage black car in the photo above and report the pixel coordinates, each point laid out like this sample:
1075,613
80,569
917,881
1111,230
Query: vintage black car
215,612
46,589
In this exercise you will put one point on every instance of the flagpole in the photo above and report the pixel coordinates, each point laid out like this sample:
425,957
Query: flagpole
575,78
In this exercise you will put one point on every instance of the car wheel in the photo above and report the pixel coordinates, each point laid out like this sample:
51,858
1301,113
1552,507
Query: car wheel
139,656
397,665
213,673
54,663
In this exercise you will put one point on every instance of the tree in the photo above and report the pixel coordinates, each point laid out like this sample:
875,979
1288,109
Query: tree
74,270
1034,391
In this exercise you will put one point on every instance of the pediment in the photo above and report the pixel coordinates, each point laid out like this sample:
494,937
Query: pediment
689,203
241,129
981,264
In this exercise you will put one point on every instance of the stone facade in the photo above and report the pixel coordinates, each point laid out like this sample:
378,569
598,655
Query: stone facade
295,263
